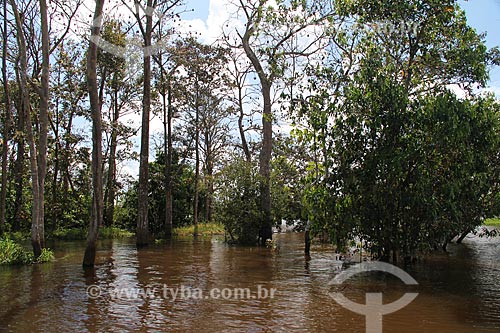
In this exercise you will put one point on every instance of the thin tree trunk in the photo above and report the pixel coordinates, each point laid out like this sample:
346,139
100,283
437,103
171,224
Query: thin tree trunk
66,162
38,238
167,115
55,127
142,234
6,125
197,170
209,170
266,231
307,239
19,170
265,164
36,229
244,143
97,198
111,181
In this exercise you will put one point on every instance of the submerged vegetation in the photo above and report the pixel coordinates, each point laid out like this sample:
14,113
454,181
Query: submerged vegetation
358,120
492,222
81,233
204,229
13,253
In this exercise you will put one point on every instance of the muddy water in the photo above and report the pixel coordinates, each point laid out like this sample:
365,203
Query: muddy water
458,292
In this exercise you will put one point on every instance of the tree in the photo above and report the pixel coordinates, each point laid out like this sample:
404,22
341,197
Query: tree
37,231
68,94
146,28
383,187
119,91
203,80
6,119
238,204
95,106
268,42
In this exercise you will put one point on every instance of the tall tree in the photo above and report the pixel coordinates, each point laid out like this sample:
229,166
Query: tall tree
147,14
121,89
95,106
6,120
37,227
268,42
202,66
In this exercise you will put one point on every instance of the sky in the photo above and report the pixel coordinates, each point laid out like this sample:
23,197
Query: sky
483,15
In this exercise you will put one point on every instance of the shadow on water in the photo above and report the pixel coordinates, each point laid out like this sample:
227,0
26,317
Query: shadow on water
168,287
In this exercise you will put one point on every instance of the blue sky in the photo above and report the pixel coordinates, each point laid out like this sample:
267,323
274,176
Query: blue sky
483,15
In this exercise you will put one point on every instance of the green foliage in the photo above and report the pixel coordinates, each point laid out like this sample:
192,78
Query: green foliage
493,222
82,233
398,160
182,193
204,229
12,253
47,255
69,234
238,202
415,173
286,189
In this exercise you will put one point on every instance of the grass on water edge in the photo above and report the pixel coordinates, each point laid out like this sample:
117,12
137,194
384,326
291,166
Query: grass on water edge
492,222
13,253
204,229
81,234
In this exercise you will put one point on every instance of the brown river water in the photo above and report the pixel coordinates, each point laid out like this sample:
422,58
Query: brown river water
170,288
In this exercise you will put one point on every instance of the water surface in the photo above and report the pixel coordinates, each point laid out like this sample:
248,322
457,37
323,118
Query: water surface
458,291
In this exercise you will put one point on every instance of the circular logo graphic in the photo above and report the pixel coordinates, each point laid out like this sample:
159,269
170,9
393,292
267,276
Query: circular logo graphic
374,308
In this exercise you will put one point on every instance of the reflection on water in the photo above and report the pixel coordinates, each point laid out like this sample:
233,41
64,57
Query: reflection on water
458,292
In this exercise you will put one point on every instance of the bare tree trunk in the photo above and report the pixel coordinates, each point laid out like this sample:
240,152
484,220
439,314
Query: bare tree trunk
167,115
37,240
43,126
95,105
244,143
197,169
6,124
55,128
111,181
142,234
209,170
266,231
19,169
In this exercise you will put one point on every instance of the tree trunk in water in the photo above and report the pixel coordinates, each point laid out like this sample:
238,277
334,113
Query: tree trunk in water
307,239
37,237
196,172
462,236
96,215
6,125
19,172
266,231
142,234
111,181
167,114
209,170
43,117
